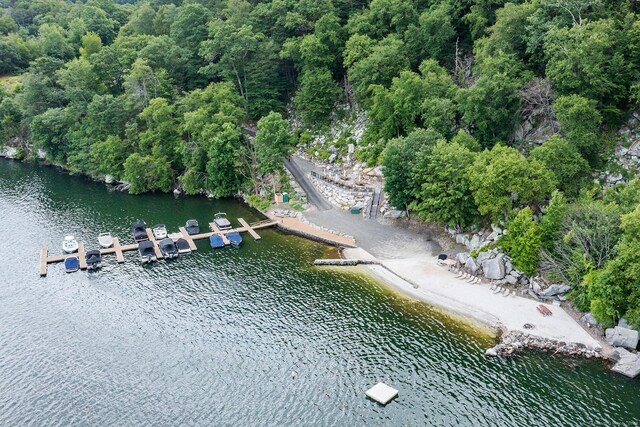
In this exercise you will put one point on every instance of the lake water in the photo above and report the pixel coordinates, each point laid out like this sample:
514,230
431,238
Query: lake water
244,337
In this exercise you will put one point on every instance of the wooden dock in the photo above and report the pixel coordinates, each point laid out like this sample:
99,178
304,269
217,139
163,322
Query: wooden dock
119,249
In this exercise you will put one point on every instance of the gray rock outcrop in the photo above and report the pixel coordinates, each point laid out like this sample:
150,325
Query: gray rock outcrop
471,266
628,363
462,257
623,324
622,337
494,268
554,290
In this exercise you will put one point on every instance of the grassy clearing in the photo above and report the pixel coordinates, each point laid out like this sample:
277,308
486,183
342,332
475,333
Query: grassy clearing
10,82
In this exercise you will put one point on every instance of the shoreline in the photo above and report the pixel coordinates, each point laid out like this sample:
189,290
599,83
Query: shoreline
421,278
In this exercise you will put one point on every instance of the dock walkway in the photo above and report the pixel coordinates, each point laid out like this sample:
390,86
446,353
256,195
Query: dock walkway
119,249
295,226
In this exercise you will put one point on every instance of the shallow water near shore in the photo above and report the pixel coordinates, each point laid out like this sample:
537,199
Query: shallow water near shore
248,336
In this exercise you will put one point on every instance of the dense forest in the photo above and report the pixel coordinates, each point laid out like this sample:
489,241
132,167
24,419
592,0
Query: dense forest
479,111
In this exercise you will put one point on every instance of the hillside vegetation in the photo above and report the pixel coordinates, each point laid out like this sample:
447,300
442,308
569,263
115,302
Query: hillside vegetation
480,111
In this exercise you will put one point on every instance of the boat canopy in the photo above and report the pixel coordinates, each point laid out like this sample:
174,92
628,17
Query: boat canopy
183,246
234,237
93,257
159,226
216,241
167,244
139,230
146,248
222,221
72,263
192,227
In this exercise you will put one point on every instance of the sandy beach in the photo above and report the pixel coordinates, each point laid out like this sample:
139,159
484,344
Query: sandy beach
421,277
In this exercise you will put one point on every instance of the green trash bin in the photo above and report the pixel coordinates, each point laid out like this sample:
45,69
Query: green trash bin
285,197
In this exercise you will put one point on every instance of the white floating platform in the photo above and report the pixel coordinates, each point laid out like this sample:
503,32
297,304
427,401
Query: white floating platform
382,393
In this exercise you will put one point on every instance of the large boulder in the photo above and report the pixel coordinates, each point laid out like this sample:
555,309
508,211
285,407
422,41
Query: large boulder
462,257
494,268
510,279
475,242
471,266
628,363
622,337
461,238
623,324
554,290
484,256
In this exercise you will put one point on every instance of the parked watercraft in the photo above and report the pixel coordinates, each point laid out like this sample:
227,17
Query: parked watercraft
94,260
72,264
147,251
192,227
235,238
69,245
105,240
168,248
216,241
159,231
221,221
139,231
183,246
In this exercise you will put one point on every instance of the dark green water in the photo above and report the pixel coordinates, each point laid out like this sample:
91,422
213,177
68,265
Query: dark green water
245,337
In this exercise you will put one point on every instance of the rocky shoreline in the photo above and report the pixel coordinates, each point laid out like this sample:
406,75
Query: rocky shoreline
514,342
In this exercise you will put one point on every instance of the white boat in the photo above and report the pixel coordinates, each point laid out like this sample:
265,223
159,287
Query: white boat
105,240
159,231
69,245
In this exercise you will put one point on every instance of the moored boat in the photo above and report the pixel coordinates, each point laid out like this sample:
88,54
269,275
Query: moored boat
69,245
235,238
147,252
168,248
183,246
159,231
216,241
71,264
139,231
221,221
192,227
94,260
105,240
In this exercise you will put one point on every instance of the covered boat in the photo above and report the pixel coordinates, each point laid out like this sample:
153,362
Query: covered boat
71,264
94,260
139,231
221,221
216,241
105,240
234,237
69,245
168,248
147,251
183,246
159,231
192,227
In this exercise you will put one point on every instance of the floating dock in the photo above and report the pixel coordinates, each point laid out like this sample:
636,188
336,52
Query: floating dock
382,393
119,249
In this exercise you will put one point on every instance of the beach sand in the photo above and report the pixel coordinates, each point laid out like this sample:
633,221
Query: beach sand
421,277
